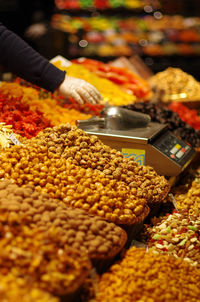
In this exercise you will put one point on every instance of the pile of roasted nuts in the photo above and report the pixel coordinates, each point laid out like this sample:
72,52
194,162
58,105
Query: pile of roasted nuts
18,290
143,276
89,152
177,234
78,187
188,196
174,84
42,260
86,233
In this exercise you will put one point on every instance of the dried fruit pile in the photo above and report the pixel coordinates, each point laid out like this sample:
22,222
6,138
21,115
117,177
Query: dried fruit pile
145,276
177,234
18,290
88,234
164,115
40,259
13,112
111,93
124,78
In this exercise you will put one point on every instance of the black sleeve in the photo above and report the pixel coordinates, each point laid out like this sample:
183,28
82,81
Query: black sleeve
26,63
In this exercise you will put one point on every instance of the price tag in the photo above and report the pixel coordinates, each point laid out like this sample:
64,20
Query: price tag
64,62
14,139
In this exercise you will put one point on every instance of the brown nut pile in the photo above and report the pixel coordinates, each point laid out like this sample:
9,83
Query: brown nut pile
173,84
78,187
18,290
188,196
89,152
88,234
42,260
146,277
177,234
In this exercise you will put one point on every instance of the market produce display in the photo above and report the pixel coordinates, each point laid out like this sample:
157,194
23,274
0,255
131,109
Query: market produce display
102,4
14,112
126,79
188,195
143,276
88,234
34,110
162,114
187,115
110,36
42,260
79,169
173,84
110,92
18,289
177,234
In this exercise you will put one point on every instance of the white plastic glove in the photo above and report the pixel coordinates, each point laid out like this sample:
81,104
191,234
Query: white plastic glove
79,90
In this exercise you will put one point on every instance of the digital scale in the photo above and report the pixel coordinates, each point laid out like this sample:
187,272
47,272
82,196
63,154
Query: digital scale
149,144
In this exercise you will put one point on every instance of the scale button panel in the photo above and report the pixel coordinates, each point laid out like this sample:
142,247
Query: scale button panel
172,146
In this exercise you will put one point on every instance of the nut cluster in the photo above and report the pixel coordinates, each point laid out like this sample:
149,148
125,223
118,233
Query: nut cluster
177,234
88,234
89,152
17,289
42,260
173,84
145,276
78,187
188,197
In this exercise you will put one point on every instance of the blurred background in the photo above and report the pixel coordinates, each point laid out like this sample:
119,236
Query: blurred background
162,32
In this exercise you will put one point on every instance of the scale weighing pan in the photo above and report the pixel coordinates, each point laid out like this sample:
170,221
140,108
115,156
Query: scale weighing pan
148,143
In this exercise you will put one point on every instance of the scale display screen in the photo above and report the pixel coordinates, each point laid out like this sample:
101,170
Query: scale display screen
172,146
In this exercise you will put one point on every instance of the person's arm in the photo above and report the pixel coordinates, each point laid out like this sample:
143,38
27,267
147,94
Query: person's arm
26,63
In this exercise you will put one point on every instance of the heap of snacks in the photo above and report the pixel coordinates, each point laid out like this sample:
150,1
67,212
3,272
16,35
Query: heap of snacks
17,289
177,234
126,79
43,111
110,92
143,276
187,115
14,112
7,138
42,260
79,169
88,234
164,115
173,84
188,196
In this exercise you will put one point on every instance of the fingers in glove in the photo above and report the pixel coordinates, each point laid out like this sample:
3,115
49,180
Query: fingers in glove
75,95
94,92
86,95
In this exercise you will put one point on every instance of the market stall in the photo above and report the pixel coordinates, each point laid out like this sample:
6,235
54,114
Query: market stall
75,203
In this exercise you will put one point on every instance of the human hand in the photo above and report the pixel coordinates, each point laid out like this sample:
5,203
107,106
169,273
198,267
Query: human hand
79,90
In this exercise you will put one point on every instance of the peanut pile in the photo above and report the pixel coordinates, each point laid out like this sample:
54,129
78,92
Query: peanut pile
149,277
78,187
89,152
42,260
88,234
173,84
17,289
188,196
177,234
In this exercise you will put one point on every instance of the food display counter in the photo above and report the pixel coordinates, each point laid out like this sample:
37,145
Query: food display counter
79,187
